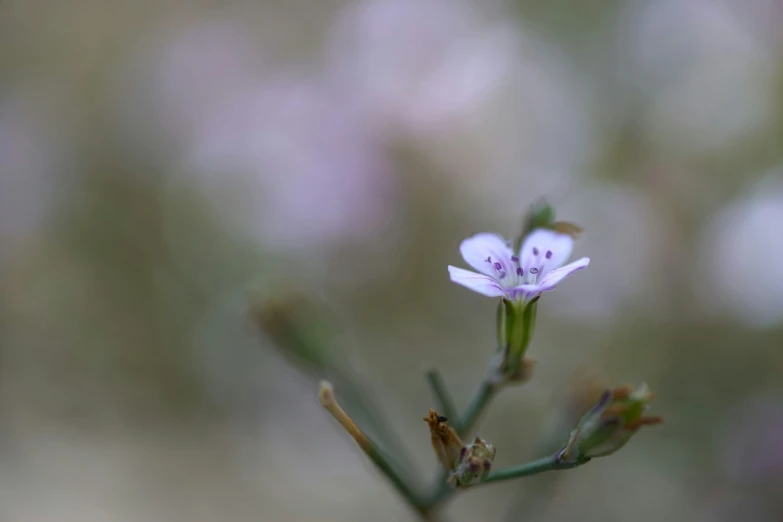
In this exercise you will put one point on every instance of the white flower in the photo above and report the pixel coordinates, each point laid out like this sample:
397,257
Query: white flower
746,234
537,269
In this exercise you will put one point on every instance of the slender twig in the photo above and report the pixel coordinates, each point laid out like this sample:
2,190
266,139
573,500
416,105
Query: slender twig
426,505
358,399
480,400
445,402
532,468
382,461
444,490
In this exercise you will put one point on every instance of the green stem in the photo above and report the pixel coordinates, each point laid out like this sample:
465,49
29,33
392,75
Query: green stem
385,464
444,490
500,323
361,404
445,402
532,468
480,400
529,322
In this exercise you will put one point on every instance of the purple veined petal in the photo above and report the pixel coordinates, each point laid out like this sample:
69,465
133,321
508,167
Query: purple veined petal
527,291
480,283
555,276
545,250
549,281
482,251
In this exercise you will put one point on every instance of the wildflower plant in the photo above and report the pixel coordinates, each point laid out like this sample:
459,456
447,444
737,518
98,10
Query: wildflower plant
518,274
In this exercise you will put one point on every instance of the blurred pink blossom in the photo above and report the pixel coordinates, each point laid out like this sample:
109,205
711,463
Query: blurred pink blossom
622,236
292,165
175,78
416,65
704,77
283,159
740,256
490,102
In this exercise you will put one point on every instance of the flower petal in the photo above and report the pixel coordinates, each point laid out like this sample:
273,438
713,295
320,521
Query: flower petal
477,249
482,284
527,291
555,276
538,245
549,281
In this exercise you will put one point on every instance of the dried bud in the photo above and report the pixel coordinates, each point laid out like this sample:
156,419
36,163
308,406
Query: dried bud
474,464
445,441
564,227
524,373
610,424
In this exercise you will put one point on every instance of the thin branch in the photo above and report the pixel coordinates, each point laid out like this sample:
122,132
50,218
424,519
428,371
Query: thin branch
444,491
383,462
532,468
445,402
480,400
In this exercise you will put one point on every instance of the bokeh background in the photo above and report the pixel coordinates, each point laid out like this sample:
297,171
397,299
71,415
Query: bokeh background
167,165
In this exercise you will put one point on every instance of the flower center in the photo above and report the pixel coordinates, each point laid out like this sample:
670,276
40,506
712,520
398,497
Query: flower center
500,273
527,271
535,267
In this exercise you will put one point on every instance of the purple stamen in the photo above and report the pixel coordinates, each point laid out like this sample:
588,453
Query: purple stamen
534,270
535,251
489,259
501,275
549,254
519,271
498,266
514,259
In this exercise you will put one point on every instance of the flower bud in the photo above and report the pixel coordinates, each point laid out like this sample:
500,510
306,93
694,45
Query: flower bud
475,463
610,424
540,215
294,325
564,227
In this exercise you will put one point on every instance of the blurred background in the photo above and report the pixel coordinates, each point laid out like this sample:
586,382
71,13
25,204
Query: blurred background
166,166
